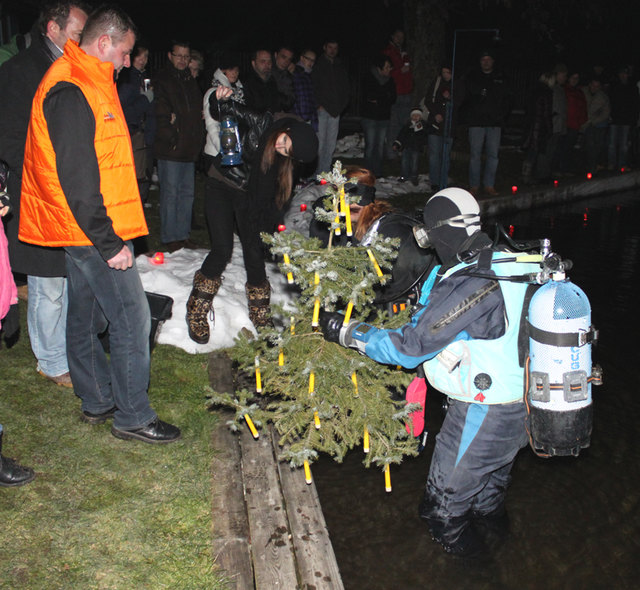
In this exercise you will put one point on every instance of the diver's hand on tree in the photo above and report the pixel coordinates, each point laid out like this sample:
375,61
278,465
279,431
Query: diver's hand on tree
331,324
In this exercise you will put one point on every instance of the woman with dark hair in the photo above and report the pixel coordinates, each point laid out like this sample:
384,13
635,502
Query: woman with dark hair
370,218
379,93
252,197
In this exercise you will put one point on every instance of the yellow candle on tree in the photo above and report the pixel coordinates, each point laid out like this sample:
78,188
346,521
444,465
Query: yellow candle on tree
251,426
258,376
316,305
376,266
307,472
354,379
365,440
347,314
316,420
289,273
387,478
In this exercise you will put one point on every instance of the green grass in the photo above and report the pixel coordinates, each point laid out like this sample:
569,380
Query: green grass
102,512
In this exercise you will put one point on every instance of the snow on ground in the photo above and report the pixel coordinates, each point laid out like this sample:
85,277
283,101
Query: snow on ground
175,276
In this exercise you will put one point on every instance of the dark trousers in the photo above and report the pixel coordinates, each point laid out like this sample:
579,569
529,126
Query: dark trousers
225,208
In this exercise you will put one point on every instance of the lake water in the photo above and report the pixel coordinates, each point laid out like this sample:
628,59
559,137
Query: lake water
575,522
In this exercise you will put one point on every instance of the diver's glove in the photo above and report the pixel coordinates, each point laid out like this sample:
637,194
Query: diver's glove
334,330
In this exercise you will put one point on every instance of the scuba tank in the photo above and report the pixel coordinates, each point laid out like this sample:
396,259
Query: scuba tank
560,374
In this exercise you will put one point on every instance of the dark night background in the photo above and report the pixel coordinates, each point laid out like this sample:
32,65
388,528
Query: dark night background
535,33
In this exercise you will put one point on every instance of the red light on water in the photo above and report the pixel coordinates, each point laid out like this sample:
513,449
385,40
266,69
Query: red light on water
589,176
511,230
555,183
514,189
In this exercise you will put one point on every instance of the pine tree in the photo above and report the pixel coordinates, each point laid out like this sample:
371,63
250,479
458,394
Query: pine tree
319,396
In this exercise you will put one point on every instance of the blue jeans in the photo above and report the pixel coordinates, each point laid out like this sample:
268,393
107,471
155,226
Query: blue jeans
327,138
439,169
410,160
618,146
100,298
489,137
375,135
47,323
471,464
177,189
400,114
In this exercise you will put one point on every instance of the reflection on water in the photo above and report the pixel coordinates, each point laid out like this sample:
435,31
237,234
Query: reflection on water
575,522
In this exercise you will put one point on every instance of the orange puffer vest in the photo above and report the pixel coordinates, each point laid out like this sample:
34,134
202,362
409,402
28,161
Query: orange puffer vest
45,217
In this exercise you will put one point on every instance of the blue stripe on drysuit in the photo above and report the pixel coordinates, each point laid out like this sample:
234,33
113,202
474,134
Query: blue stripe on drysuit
473,421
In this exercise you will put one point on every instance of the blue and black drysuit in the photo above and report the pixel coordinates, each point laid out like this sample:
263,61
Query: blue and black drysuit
466,337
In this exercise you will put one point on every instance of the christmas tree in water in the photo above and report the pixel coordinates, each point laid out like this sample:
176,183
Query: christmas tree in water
318,395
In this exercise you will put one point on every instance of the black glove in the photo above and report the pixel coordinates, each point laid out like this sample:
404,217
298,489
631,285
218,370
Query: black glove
331,324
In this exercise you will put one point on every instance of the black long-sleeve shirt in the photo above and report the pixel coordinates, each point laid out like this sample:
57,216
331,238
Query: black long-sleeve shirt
72,129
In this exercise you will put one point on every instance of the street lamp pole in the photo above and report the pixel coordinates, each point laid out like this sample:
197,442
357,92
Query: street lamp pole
446,153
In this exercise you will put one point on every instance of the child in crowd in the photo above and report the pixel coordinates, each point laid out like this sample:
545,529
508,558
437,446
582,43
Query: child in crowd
411,142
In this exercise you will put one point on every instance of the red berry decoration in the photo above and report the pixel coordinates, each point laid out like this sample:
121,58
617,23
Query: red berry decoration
303,207
282,227
323,181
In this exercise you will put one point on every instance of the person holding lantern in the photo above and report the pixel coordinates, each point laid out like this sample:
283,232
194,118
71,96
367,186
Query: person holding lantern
251,196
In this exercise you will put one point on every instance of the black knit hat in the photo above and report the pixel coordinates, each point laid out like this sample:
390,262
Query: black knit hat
304,142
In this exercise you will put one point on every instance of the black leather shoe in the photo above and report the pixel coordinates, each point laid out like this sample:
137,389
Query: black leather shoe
91,418
12,474
155,432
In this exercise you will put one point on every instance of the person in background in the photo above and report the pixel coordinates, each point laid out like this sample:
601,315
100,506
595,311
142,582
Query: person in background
437,103
485,105
625,107
536,165
576,118
282,71
177,145
331,89
378,94
558,147
411,142
12,474
45,267
403,77
305,105
595,128
136,98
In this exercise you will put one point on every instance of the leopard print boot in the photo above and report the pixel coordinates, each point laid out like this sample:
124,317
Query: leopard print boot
199,305
258,299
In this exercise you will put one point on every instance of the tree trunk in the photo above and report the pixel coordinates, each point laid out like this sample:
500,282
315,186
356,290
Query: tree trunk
425,27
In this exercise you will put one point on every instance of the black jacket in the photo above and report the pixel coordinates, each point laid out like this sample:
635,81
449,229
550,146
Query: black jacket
264,96
486,99
330,85
377,98
19,80
177,92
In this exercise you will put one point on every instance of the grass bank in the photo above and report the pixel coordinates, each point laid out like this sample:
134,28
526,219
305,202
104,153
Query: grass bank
104,513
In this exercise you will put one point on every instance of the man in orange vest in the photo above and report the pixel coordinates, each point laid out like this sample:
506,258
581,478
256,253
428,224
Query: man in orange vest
79,191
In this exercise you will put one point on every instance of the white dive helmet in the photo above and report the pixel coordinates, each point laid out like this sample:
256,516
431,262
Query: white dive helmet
453,208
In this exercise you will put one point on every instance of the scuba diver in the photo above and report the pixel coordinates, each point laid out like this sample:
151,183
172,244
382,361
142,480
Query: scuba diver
465,333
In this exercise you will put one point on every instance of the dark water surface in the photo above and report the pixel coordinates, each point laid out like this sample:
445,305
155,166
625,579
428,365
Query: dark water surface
575,522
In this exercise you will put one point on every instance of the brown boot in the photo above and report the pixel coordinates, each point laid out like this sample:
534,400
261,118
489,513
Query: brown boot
258,299
199,305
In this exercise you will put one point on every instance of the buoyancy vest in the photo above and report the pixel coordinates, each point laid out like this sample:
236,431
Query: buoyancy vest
46,218
486,371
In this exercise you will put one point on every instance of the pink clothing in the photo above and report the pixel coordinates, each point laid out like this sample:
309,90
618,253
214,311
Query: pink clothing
8,291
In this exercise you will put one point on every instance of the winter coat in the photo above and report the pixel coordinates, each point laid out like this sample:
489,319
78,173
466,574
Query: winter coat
378,95
212,144
540,126
403,80
486,99
19,80
598,108
413,137
330,85
176,92
576,107
437,100
263,95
